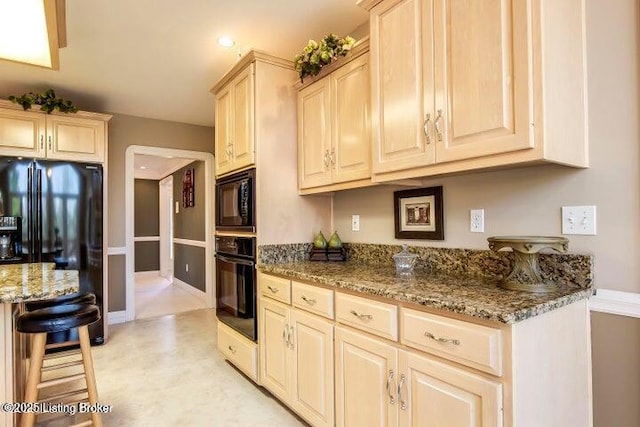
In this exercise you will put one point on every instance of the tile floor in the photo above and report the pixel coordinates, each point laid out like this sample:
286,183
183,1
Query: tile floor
156,296
166,371
163,370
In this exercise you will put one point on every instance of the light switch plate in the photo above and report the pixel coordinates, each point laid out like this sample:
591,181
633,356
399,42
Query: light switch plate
355,222
579,220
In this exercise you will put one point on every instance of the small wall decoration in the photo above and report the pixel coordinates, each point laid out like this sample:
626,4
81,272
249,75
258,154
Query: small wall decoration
188,186
418,214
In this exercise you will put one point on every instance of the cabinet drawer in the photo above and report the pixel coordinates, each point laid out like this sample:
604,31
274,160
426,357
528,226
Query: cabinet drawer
275,287
313,299
467,343
239,351
374,317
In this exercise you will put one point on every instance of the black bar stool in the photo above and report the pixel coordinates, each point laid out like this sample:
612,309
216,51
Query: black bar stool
53,319
74,298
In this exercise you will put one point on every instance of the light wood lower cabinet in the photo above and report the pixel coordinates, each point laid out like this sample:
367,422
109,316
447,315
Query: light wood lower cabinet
378,384
297,360
401,366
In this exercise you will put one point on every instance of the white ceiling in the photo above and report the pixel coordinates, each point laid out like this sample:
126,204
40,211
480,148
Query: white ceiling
156,167
159,58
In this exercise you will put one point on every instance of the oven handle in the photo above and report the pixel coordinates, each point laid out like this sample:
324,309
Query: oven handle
235,260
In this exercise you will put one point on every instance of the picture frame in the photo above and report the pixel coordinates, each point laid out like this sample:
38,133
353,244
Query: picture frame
188,188
418,213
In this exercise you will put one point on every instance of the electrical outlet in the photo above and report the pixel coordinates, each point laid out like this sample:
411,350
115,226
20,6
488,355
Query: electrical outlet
355,222
186,268
579,220
477,221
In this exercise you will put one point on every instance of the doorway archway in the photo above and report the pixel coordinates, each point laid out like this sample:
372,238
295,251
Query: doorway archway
207,158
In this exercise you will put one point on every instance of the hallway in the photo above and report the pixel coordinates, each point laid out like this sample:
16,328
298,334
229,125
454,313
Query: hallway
156,296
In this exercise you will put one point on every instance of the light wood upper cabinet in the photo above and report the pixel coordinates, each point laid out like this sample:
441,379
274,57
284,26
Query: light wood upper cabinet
22,133
463,85
334,138
72,138
234,119
314,134
76,137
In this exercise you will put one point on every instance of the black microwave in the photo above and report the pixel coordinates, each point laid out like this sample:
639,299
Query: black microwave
235,202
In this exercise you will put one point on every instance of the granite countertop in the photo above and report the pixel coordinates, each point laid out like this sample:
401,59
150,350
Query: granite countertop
30,282
469,295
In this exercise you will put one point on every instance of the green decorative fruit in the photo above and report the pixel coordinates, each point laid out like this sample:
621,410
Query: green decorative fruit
320,242
334,241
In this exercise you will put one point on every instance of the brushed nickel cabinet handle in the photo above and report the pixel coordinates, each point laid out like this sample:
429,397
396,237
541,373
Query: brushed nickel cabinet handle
309,301
441,339
403,404
291,334
285,334
332,157
50,143
232,349
41,142
392,399
437,124
361,316
272,289
326,160
427,121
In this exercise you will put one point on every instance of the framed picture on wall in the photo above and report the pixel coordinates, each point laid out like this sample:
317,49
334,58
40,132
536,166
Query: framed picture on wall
418,213
188,187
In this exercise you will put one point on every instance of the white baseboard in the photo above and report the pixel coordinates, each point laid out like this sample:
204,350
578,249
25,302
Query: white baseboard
616,302
187,287
115,317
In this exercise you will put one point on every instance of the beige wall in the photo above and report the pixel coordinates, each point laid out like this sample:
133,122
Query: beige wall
128,130
123,132
528,201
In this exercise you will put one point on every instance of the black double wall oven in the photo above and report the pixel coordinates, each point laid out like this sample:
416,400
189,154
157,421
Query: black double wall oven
236,253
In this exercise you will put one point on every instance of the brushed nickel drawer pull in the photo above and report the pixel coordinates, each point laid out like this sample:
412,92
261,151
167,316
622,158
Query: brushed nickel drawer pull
232,349
361,316
440,339
272,289
309,301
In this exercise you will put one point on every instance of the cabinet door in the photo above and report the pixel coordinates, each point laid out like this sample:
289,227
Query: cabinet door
402,86
22,133
351,151
366,371
222,132
274,351
314,134
435,394
75,139
243,142
481,78
312,367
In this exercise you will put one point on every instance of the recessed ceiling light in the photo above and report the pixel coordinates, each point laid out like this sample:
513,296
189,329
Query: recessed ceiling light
226,41
143,167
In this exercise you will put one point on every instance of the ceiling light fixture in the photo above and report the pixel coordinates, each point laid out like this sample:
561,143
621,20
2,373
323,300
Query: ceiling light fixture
32,31
143,167
225,41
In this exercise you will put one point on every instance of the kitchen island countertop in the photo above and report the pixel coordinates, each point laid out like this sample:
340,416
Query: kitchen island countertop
31,282
468,295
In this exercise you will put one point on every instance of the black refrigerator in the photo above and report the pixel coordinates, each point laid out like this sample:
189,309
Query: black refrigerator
57,206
